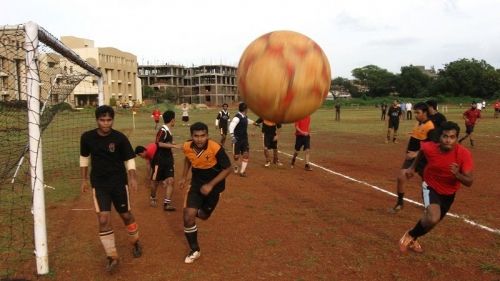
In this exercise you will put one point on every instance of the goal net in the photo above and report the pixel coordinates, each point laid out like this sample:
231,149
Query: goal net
41,82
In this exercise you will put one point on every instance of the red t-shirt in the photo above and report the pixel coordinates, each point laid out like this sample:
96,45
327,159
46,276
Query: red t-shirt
472,115
150,151
497,105
156,115
303,125
437,172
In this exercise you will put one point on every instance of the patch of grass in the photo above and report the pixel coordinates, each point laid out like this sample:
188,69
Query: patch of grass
488,267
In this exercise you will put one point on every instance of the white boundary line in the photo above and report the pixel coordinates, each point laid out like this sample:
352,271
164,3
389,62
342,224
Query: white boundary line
466,220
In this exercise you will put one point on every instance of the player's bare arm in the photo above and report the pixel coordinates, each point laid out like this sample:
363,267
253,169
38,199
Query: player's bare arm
464,178
185,171
84,171
169,145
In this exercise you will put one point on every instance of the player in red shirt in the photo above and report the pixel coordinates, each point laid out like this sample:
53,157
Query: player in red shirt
147,153
496,106
471,117
302,140
449,165
156,116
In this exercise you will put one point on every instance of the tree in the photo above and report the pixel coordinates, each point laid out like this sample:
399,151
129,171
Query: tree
468,77
340,82
379,81
147,92
412,82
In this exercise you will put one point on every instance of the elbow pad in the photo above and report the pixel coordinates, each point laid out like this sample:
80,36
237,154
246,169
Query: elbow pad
84,161
130,164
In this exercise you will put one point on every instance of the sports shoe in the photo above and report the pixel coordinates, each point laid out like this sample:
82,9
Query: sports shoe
308,168
137,250
192,256
415,246
398,207
168,207
235,169
395,141
152,202
111,264
268,163
243,175
405,242
278,163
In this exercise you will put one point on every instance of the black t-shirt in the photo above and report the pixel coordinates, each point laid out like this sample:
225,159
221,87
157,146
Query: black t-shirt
394,113
268,128
240,132
437,119
223,118
107,154
384,107
164,136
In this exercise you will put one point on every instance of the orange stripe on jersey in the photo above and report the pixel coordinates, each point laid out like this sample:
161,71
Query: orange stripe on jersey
203,158
421,131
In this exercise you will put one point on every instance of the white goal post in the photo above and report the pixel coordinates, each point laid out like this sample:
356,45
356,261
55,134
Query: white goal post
34,35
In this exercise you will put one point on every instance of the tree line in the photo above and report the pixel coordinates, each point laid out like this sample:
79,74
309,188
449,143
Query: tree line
461,78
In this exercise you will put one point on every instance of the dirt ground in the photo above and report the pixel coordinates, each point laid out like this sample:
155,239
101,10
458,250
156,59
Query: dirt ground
289,224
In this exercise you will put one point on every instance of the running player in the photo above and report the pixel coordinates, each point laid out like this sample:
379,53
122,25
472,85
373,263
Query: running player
163,162
270,132
221,123
156,116
420,133
302,140
112,158
147,153
449,166
471,117
185,114
239,137
210,166
394,114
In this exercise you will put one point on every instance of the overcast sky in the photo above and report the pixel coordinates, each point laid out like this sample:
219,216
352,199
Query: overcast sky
352,33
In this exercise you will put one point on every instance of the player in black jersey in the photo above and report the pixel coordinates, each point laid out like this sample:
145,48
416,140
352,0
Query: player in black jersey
222,123
112,159
394,113
239,137
270,134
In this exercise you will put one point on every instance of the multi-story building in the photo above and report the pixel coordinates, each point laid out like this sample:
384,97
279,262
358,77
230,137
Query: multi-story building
208,84
119,69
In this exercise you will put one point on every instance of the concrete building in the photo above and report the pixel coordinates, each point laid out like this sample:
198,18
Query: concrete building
208,84
119,69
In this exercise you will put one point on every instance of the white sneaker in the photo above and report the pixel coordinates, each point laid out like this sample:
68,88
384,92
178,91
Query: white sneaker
236,169
268,163
192,256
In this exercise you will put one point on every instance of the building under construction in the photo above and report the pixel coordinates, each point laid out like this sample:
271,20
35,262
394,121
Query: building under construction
208,84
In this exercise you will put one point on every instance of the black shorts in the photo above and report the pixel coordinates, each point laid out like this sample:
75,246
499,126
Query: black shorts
104,196
240,147
223,130
419,167
469,129
207,203
162,170
185,118
302,141
393,124
430,196
269,142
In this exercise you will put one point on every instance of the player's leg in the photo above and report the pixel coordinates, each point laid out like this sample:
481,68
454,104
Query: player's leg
267,146
307,149
400,184
468,131
390,130
169,188
102,204
194,201
236,156
395,132
245,150
121,202
152,195
299,143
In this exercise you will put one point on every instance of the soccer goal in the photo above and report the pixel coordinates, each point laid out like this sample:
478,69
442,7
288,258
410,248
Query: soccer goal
40,82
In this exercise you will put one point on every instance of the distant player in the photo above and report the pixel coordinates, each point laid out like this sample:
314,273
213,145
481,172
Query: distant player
156,116
496,109
394,114
270,132
449,166
210,166
383,108
471,117
337,111
420,133
112,158
163,162
222,123
239,136
302,140
185,114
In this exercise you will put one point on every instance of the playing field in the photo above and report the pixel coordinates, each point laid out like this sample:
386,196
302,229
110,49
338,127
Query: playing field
289,224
